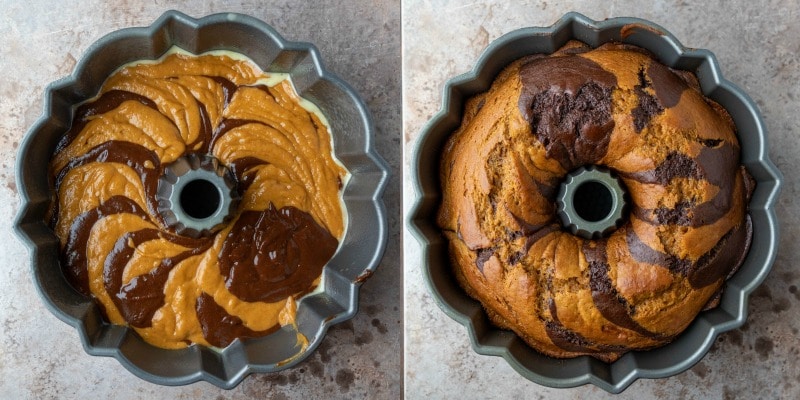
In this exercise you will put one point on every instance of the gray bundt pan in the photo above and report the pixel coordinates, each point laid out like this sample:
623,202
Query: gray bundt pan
359,252
693,344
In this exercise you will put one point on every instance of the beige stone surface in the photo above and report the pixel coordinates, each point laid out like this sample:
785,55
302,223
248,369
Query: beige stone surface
40,356
758,46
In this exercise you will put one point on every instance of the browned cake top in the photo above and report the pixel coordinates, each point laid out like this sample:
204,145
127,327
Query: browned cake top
676,152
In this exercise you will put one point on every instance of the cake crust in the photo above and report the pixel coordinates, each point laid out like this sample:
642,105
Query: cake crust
675,150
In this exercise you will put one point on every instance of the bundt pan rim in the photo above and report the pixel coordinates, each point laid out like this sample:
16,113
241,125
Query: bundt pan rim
695,342
359,252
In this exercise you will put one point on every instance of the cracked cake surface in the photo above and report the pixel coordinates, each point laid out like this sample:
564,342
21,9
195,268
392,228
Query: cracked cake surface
676,152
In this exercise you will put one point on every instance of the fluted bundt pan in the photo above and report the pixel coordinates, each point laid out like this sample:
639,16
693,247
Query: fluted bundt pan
695,341
360,249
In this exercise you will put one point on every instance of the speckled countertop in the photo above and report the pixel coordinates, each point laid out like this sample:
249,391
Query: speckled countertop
40,356
758,46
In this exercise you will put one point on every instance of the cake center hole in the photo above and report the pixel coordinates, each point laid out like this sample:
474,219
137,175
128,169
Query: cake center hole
200,199
593,201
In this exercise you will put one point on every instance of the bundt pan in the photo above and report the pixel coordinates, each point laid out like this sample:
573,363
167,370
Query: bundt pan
691,345
360,249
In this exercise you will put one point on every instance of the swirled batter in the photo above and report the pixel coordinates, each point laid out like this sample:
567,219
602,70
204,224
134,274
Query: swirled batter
245,279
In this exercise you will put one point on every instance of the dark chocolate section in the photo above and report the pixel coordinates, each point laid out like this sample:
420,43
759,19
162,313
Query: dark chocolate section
240,168
539,233
271,254
266,89
566,339
675,165
139,299
220,328
749,182
103,104
228,88
483,256
204,136
567,101
667,85
725,257
648,105
717,165
533,234
608,301
549,190
142,304
130,154
679,215
73,255
719,262
569,340
643,253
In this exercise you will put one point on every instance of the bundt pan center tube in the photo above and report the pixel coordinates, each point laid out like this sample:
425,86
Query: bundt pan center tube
591,202
197,195
539,200
198,192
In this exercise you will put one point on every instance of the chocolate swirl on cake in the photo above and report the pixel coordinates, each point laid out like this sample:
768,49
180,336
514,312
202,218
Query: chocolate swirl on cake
675,150
173,290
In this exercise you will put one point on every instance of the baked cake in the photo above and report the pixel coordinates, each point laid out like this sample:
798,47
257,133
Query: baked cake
686,230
